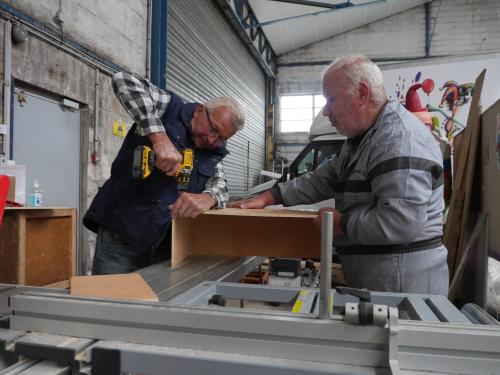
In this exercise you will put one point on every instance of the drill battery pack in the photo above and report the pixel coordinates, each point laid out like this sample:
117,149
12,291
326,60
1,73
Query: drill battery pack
143,162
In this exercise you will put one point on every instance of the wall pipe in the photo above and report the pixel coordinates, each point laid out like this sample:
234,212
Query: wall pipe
96,155
148,41
7,82
427,29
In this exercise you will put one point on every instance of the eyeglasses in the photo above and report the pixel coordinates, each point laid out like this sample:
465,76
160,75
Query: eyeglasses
211,126
213,129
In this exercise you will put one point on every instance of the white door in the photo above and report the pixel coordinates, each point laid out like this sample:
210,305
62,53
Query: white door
46,139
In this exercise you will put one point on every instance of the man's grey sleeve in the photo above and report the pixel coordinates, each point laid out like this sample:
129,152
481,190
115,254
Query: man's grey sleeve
310,188
217,187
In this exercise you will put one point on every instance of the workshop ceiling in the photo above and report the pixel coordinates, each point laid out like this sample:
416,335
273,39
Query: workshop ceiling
321,23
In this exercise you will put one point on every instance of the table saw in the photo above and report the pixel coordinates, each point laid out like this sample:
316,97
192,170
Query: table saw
207,323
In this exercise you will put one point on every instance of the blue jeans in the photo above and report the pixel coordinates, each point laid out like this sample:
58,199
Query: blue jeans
424,272
114,255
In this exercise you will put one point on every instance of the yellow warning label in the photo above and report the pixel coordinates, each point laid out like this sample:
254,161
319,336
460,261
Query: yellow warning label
119,128
297,306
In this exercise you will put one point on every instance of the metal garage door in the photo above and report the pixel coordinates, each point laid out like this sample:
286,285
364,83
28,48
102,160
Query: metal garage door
205,58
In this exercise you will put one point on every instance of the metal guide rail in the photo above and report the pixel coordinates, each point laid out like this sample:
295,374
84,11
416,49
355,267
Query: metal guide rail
430,308
99,336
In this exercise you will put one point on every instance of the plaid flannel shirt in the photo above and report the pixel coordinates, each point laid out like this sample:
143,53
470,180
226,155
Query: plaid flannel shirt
147,103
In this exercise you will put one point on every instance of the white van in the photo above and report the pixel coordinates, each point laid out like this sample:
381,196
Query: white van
324,143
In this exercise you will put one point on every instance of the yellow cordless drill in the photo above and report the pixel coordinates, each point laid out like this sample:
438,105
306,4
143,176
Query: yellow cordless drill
144,158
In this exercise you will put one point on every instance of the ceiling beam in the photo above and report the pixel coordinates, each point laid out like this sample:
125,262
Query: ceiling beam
243,20
338,8
318,4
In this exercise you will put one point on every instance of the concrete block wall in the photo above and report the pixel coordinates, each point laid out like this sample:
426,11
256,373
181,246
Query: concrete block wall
463,27
114,29
49,68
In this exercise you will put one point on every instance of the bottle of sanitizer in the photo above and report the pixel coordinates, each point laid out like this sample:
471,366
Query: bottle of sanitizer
36,195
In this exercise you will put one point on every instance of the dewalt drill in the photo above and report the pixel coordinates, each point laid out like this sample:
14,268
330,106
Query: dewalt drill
144,158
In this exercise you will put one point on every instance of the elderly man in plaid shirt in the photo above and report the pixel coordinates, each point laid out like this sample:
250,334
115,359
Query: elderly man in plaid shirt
131,216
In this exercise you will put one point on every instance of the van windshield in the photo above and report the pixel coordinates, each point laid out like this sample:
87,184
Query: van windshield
314,156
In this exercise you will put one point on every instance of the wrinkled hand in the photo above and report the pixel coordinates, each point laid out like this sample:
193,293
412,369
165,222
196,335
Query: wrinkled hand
260,201
167,158
337,215
191,205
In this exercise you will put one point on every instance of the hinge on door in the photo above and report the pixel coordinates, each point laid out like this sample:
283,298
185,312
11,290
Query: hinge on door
22,99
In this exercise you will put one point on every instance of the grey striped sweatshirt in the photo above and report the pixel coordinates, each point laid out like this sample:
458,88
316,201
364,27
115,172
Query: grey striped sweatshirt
388,183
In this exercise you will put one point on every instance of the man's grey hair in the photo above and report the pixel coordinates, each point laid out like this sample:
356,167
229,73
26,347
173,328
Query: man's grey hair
358,68
234,107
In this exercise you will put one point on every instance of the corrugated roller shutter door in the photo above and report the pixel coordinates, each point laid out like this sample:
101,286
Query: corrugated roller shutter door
205,59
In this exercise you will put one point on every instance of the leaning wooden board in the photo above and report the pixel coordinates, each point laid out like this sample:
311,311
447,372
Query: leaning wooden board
130,286
458,214
245,232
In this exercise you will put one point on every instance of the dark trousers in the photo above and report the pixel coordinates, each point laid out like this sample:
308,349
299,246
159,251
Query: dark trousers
114,255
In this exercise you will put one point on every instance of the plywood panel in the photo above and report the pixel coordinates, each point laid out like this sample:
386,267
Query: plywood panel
235,232
47,259
9,244
129,286
459,203
490,165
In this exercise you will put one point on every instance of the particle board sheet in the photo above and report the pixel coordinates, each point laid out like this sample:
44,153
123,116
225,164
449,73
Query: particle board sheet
247,232
10,239
48,241
130,286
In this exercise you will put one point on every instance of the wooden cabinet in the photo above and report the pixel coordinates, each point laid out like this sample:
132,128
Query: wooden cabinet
245,232
37,245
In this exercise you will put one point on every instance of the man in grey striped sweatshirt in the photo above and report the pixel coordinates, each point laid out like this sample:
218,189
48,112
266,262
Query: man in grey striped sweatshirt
387,183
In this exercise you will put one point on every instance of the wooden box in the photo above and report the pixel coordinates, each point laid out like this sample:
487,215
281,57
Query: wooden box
245,232
37,245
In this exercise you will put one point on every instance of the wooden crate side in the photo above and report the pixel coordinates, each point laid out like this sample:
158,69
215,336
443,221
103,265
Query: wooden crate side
48,245
458,200
182,238
22,249
73,245
490,203
470,173
248,236
9,249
